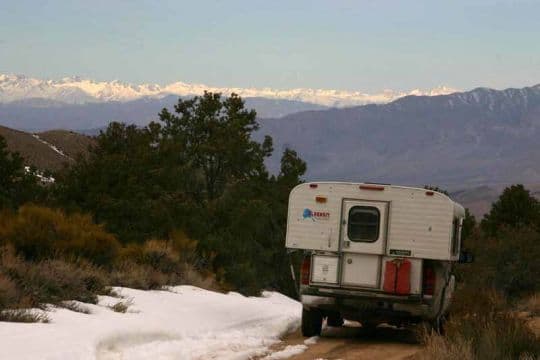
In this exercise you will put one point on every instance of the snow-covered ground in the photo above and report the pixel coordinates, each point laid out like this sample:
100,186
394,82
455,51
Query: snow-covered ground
183,323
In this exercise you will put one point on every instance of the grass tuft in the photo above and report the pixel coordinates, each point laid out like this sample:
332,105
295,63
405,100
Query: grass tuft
75,306
121,306
24,316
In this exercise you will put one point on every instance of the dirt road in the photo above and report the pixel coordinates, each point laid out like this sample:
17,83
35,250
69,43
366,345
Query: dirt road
352,343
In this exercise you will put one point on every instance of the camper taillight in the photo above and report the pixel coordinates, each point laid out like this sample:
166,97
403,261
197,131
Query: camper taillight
371,187
305,270
428,279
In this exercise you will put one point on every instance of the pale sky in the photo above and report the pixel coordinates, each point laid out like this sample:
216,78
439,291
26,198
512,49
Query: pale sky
350,45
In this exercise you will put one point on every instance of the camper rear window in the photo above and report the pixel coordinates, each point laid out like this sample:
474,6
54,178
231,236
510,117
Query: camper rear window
363,224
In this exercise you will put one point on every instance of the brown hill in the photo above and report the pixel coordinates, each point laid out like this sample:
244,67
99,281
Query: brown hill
50,150
70,143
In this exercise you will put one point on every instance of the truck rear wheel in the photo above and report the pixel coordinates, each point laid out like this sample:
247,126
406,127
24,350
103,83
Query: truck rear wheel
311,322
334,320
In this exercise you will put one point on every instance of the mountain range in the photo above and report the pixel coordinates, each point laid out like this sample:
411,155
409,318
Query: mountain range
76,90
479,137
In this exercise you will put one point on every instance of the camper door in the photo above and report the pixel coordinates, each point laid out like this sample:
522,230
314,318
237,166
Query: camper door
363,242
364,227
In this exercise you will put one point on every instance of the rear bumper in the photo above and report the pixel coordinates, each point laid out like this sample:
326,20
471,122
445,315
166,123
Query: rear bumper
360,294
359,304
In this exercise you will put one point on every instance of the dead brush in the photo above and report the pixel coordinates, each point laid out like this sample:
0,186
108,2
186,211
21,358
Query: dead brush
51,281
531,305
23,315
495,335
75,306
121,306
9,294
439,347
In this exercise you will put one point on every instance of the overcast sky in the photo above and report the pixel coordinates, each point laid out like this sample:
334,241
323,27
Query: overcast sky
350,45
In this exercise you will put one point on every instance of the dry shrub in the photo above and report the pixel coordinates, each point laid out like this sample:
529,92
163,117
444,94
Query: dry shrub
9,295
207,281
51,281
482,326
134,275
121,306
158,263
23,315
160,255
59,253
142,276
531,305
503,336
74,306
471,299
438,347
184,246
40,233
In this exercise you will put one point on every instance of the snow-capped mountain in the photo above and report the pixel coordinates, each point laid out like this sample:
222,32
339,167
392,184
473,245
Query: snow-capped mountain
75,90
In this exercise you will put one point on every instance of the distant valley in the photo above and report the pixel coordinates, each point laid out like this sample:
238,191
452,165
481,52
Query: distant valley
43,114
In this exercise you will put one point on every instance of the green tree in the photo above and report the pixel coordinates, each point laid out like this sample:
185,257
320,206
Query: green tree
515,208
127,183
198,171
292,168
16,184
469,224
215,135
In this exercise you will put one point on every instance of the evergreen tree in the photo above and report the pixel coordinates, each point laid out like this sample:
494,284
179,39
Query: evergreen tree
198,171
215,136
122,183
515,208
469,223
16,184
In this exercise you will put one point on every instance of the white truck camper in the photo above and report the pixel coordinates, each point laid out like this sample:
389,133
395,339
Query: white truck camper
374,253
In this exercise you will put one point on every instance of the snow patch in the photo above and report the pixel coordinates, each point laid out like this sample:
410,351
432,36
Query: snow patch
54,148
312,340
286,353
40,175
183,323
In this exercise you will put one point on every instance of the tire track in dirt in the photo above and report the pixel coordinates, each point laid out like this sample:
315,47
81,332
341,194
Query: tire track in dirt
352,342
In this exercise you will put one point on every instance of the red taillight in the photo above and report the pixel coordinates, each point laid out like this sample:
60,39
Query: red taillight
313,186
305,270
428,280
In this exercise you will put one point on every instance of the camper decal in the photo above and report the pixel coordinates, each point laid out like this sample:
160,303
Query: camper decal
315,215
